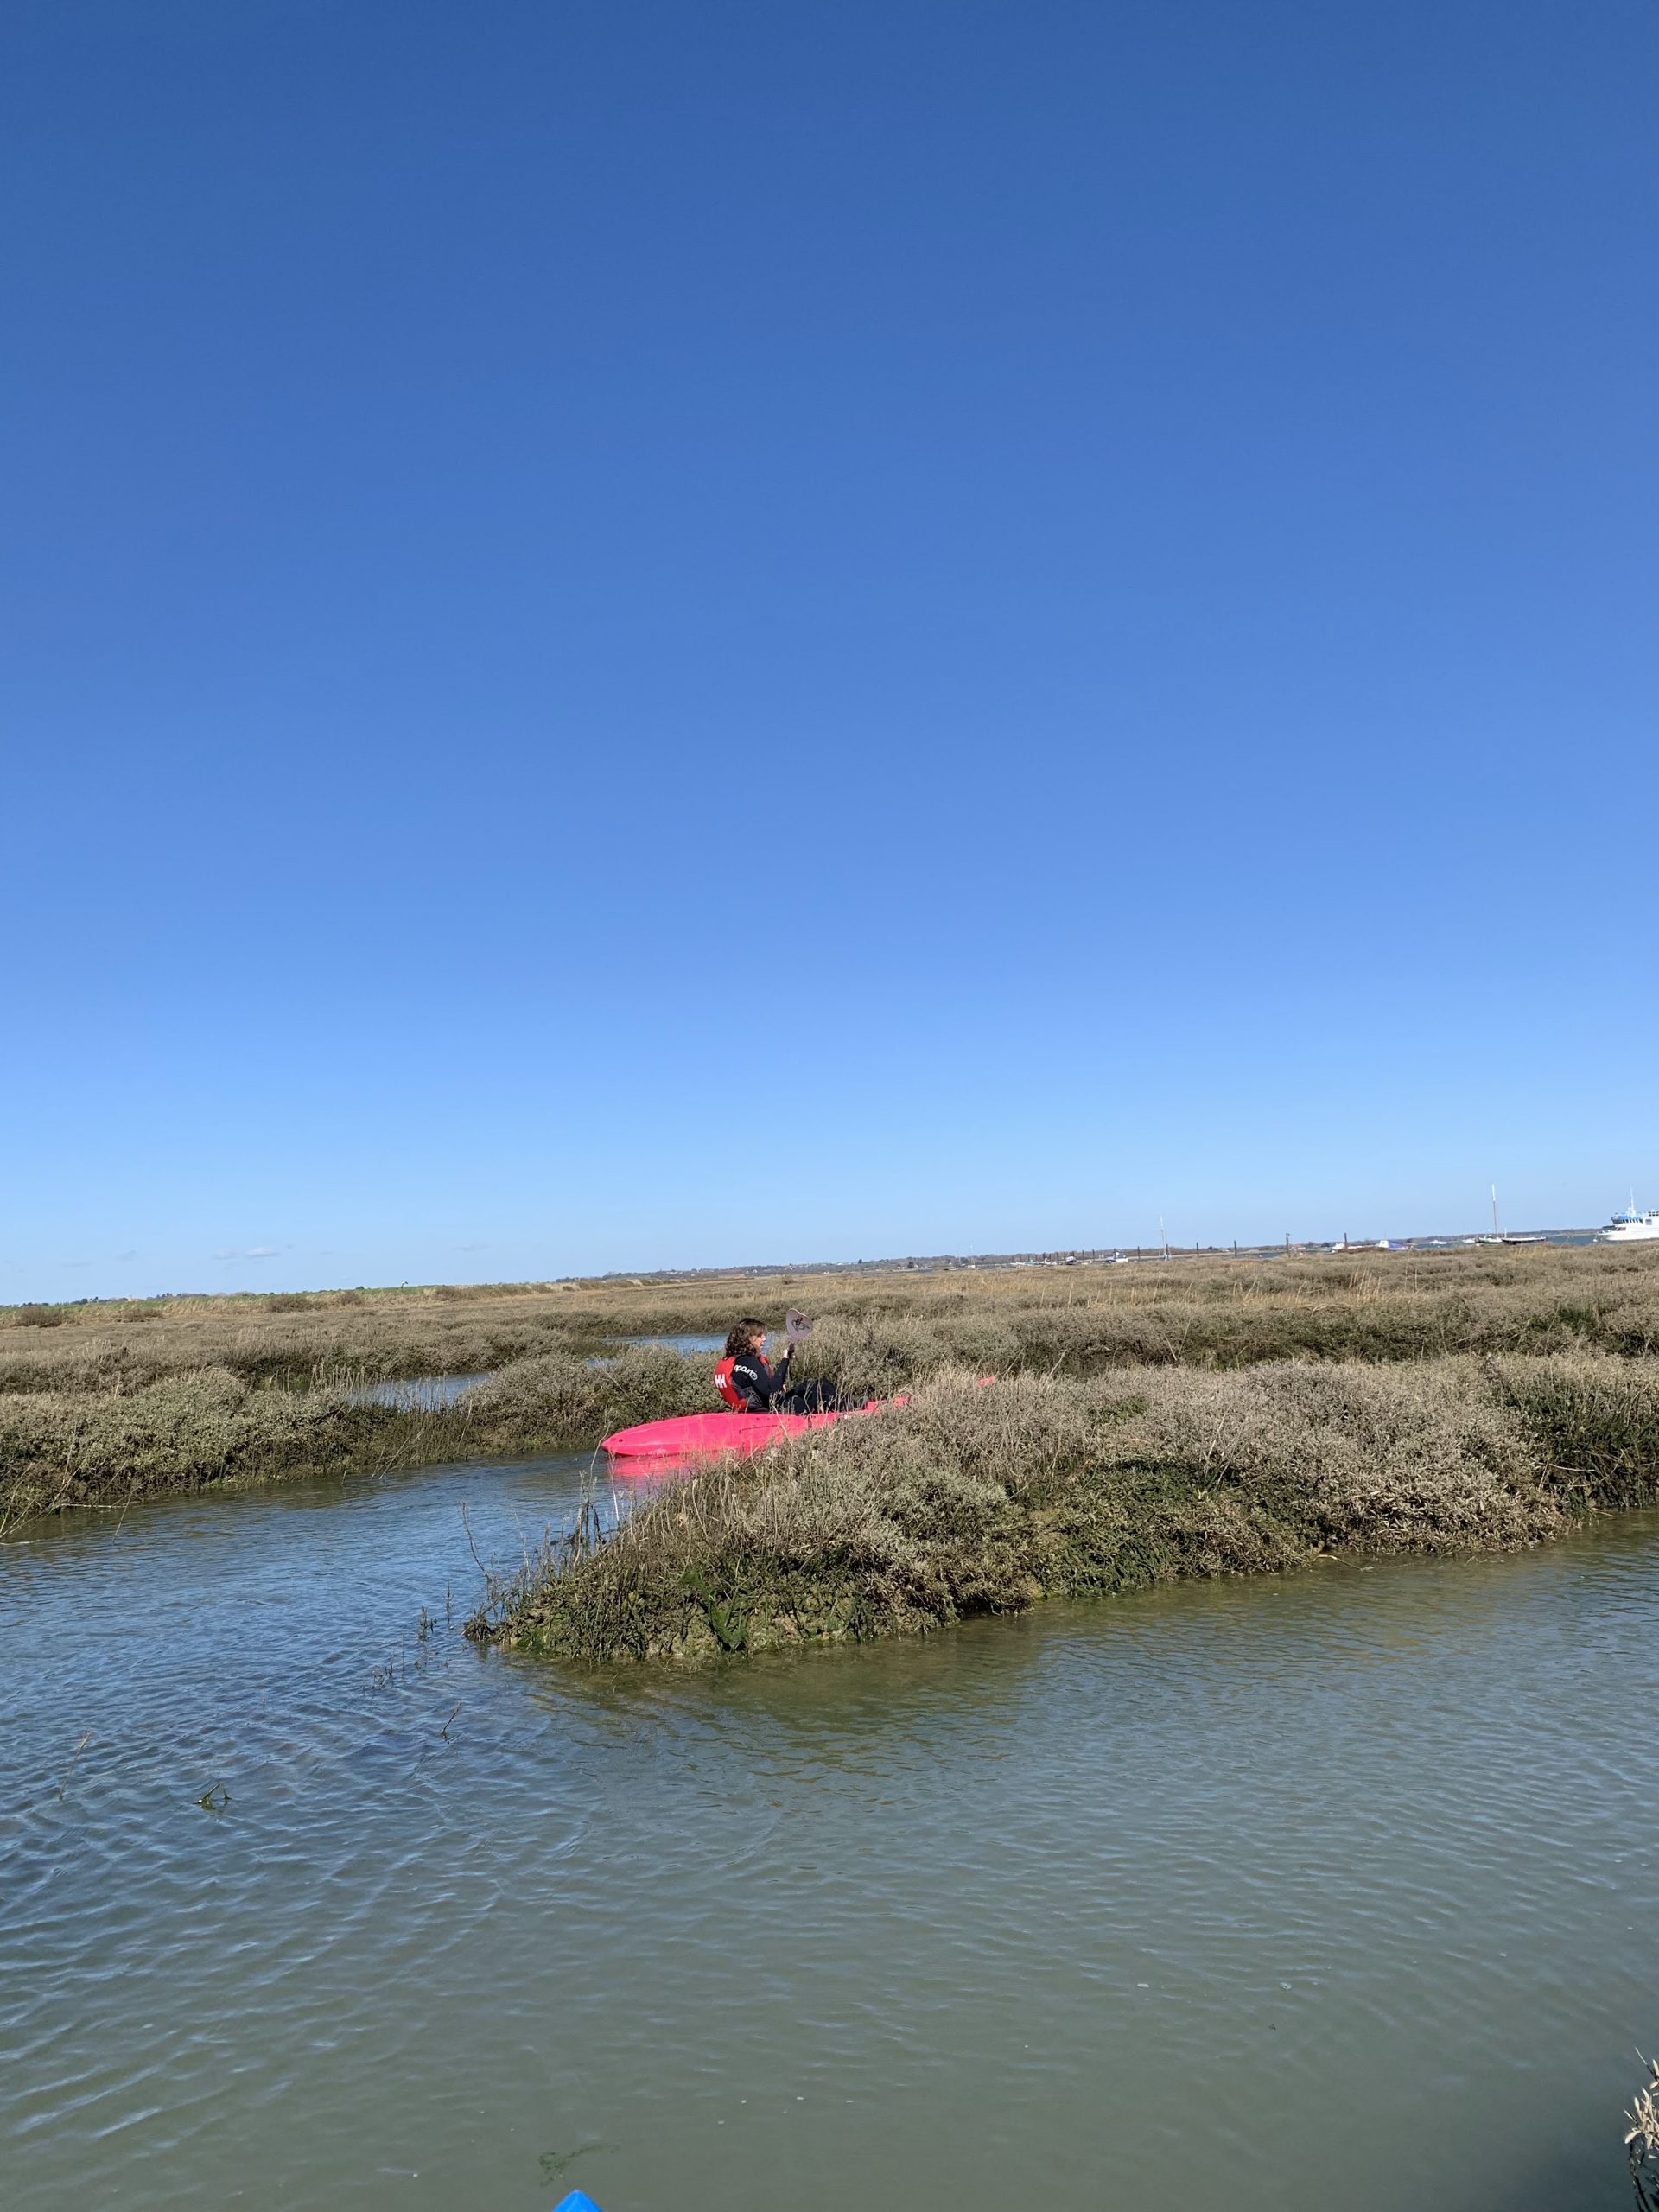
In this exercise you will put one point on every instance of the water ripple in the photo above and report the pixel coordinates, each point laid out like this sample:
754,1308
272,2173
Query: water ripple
1342,1887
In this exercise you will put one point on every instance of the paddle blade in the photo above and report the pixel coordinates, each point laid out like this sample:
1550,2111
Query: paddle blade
796,1326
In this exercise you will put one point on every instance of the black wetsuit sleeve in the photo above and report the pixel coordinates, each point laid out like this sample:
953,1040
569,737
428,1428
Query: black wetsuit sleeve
759,1382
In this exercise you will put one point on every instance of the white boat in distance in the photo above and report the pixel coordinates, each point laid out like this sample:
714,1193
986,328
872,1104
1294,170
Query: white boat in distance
1630,1227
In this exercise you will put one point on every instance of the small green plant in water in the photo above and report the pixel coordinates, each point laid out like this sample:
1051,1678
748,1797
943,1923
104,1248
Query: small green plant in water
553,2163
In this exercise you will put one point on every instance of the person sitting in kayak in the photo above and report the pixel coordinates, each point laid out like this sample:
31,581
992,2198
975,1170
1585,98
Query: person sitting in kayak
750,1385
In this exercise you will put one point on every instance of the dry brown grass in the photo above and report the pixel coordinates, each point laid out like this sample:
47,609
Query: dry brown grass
1189,1312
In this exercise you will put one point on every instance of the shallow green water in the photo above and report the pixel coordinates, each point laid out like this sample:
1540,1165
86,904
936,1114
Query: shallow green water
1337,1890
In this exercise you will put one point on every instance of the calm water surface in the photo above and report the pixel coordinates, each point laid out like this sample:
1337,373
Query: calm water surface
686,1344
1337,1890
418,1394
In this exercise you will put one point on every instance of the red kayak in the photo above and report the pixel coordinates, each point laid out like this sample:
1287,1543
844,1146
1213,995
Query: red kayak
716,1436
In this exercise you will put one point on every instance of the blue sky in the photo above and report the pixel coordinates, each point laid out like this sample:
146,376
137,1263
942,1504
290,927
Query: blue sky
644,636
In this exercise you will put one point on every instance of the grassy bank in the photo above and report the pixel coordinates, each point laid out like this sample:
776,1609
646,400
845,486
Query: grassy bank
60,1449
973,1501
286,1341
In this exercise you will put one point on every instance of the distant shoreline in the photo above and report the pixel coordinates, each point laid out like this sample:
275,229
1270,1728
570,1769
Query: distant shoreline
763,1270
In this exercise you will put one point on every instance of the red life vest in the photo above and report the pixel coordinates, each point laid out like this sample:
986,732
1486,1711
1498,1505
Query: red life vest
727,1387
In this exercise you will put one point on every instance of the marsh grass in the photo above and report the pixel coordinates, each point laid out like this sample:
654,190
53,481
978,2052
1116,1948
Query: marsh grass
282,1344
888,1330
556,1399
973,1501
211,1426
186,1433
1193,1312
119,1400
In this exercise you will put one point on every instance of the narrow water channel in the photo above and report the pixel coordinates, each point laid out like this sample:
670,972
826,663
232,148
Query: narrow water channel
1335,1891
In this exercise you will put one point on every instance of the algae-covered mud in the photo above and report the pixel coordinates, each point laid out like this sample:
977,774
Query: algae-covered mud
1336,1888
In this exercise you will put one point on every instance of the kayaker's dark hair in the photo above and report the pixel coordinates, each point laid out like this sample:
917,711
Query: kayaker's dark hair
741,1338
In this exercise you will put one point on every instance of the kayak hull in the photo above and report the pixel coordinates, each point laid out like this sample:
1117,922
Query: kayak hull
717,1436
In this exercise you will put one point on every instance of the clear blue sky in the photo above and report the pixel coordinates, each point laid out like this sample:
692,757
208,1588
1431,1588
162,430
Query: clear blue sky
642,634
